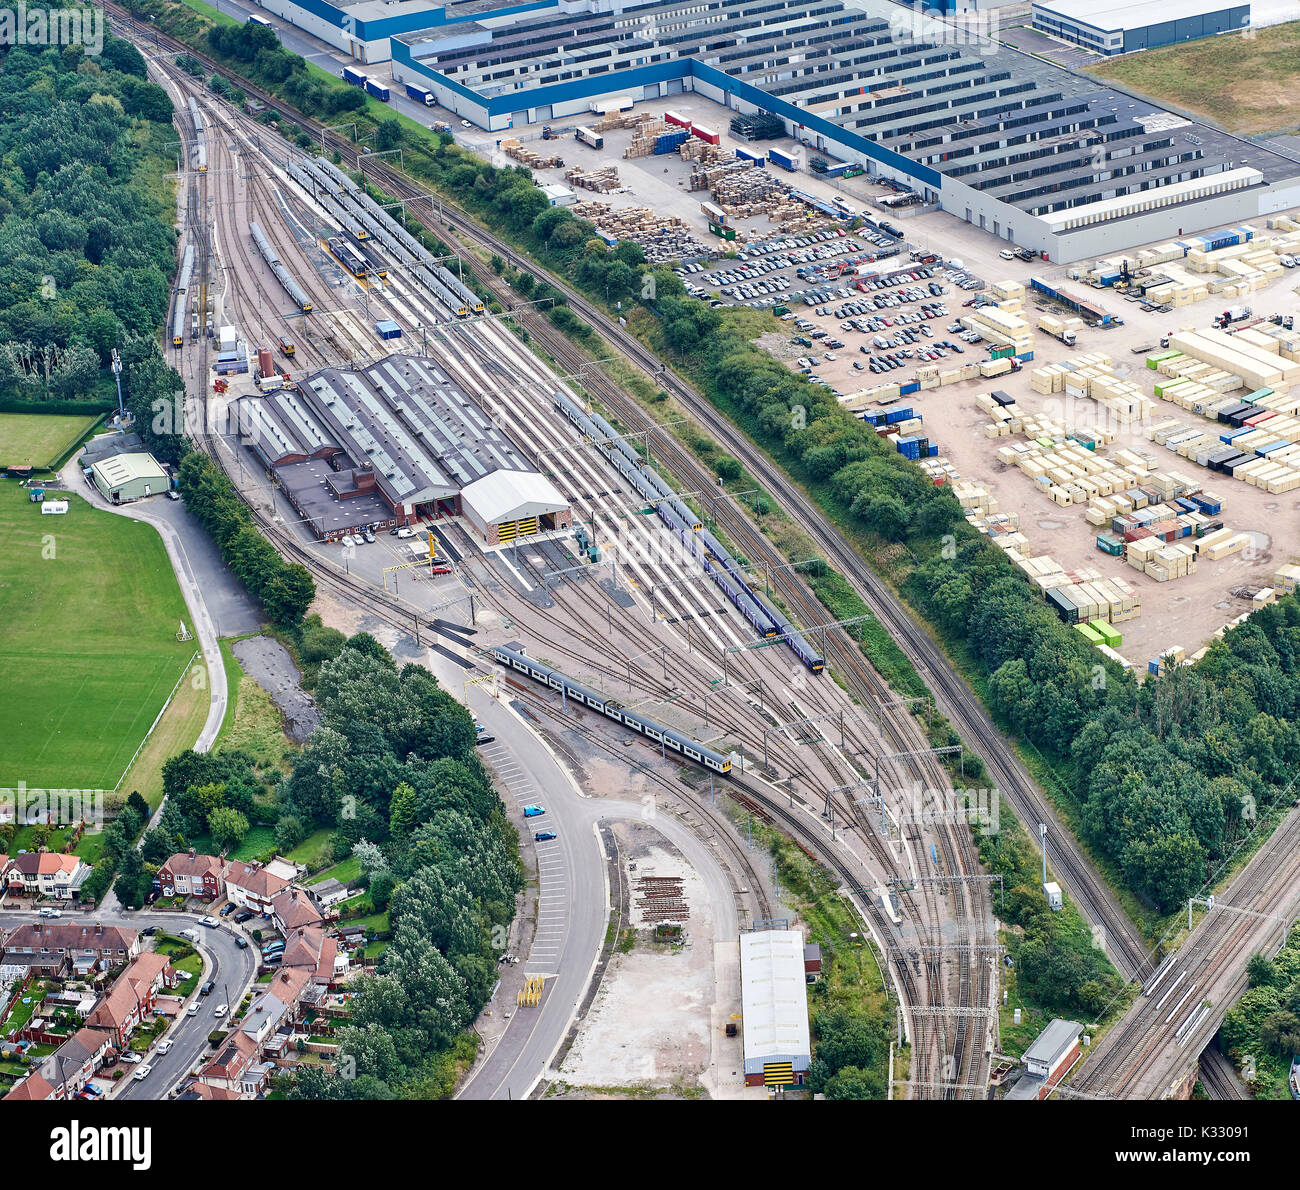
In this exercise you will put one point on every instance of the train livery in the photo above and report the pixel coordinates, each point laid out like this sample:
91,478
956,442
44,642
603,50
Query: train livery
182,288
348,257
365,220
767,620
669,738
200,137
291,287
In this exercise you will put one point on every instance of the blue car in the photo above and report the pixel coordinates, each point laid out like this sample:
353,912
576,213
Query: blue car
533,811
544,836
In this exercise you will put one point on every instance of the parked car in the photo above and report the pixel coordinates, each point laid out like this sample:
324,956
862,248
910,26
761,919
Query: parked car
241,942
165,1045
244,915
220,1010
48,912
131,1058
207,989
142,1073
544,836
534,811
209,921
370,537
227,910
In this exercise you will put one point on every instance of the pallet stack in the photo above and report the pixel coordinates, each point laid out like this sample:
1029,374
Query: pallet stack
515,149
643,142
601,180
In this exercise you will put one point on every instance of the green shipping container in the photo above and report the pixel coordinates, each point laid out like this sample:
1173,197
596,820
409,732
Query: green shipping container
1157,358
1107,633
1089,634
1109,544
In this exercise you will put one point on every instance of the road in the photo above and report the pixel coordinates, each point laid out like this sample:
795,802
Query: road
574,898
229,967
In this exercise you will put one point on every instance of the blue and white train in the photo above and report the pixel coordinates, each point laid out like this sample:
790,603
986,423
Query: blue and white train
717,561
669,738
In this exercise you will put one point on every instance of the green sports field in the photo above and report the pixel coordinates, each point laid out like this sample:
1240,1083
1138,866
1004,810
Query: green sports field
89,609
40,439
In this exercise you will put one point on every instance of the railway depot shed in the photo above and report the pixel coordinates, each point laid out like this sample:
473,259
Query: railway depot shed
123,478
774,1008
1055,1050
394,443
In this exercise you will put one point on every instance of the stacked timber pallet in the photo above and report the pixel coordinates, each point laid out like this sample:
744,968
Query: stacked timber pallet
602,180
515,149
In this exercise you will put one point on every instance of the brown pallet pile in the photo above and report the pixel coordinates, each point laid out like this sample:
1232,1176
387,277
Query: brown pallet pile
643,143
601,180
662,237
661,898
513,147
620,120
695,149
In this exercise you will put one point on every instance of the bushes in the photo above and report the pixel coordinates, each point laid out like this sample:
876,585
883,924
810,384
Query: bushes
285,588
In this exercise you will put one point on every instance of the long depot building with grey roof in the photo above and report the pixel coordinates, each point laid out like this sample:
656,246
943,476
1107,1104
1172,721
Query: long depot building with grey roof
392,444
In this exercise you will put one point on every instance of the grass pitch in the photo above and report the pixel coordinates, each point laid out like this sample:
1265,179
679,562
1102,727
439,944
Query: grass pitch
40,439
89,609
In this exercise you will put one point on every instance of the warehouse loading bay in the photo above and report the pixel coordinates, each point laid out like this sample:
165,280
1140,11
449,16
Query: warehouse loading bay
1182,613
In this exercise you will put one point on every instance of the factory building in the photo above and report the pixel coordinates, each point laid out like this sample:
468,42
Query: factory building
1030,152
1112,27
774,1008
395,443
363,29
123,478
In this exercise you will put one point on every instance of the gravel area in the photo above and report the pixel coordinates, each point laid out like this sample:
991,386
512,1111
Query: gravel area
268,663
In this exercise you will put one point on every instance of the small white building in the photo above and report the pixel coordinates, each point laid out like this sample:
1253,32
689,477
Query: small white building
557,195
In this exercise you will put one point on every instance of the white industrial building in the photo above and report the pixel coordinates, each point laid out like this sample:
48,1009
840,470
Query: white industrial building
774,1008
1114,27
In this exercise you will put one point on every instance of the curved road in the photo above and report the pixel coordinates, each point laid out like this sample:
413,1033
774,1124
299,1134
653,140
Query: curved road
573,899
229,967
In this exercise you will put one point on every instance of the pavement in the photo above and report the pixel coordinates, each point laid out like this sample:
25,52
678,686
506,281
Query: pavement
230,968
573,899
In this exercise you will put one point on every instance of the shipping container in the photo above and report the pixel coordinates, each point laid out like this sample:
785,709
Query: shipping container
675,118
784,160
589,137
387,329
706,134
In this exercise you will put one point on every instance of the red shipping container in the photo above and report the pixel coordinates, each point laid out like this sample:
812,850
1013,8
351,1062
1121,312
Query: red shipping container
1260,417
1136,534
674,118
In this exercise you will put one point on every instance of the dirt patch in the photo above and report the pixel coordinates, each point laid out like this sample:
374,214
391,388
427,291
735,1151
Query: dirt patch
268,663
649,1026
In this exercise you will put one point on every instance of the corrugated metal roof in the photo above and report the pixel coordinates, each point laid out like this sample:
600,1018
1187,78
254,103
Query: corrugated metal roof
511,496
119,469
1113,15
774,999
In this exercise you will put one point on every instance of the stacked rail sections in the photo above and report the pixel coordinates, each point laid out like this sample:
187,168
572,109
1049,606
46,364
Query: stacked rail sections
291,287
767,620
669,738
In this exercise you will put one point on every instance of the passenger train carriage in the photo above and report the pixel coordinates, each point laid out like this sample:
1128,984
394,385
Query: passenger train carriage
669,738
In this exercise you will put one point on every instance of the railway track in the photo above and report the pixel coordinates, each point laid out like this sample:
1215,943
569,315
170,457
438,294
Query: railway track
1218,1077
389,610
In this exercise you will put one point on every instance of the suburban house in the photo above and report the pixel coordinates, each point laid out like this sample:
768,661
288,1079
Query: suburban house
206,1092
293,910
252,886
186,874
48,964
75,1062
46,874
101,946
33,1087
328,892
237,1055
309,948
132,996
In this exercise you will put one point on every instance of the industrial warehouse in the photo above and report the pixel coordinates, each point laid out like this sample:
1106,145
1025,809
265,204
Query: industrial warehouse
1119,28
1023,149
774,1008
391,444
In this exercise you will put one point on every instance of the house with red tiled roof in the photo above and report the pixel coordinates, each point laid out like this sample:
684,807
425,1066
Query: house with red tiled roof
45,874
33,1087
207,1092
132,997
292,910
237,1054
186,874
309,948
84,943
252,886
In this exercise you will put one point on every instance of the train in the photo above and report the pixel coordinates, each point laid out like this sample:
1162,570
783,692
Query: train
363,218
348,257
669,738
200,138
182,286
374,265
768,621
291,287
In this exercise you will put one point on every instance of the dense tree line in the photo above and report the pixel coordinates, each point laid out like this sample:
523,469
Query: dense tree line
86,237
392,767
1262,1030
285,588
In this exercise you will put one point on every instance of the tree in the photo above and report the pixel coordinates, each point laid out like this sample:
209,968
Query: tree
289,832
227,827
1259,971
